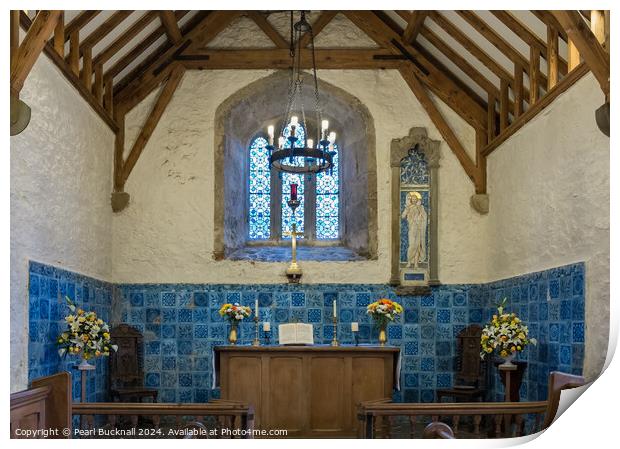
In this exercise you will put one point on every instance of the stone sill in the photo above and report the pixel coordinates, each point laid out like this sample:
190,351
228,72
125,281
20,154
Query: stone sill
283,254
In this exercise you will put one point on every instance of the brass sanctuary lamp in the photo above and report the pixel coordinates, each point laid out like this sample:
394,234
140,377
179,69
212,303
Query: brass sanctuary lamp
293,272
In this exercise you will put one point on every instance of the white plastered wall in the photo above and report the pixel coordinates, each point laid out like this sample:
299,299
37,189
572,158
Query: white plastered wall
549,204
61,172
165,234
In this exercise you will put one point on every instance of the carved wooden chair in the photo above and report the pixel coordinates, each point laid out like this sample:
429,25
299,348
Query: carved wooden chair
470,382
127,366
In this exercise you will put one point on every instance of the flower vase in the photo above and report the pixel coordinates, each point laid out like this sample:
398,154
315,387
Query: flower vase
85,366
382,334
232,336
507,364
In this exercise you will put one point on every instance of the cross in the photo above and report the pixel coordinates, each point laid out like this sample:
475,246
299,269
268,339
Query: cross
293,234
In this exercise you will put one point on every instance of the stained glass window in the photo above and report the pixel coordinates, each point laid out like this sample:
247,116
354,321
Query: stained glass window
321,190
327,201
260,190
293,178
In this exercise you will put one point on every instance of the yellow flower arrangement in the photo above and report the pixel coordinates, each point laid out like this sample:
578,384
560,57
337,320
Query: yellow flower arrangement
505,333
384,310
234,312
85,335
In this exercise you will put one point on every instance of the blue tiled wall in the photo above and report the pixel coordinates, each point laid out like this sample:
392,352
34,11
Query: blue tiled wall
552,304
181,325
48,287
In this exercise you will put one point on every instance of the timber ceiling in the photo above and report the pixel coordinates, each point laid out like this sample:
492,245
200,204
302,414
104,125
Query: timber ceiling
496,69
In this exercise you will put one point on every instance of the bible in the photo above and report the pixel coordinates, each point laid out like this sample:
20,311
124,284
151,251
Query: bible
295,334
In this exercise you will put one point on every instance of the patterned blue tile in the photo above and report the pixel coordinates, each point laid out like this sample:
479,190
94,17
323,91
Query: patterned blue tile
362,299
578,333
298,299
443,316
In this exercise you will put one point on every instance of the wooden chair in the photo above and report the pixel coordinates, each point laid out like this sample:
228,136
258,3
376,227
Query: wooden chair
126,366
470,382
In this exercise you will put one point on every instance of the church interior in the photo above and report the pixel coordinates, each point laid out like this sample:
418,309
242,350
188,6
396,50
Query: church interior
307,224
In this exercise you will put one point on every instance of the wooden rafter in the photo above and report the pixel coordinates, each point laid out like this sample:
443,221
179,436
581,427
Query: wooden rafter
588,45
548,19
277,58
139,48
268,29
318,25
442,125
527,35
104,29
169,21
143,80
79,22
497,41
414,26
153,119
30,48
441,85
71,76
136,28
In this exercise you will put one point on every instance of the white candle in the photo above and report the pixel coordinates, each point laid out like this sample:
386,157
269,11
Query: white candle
266,327
355,327
294,120
335,313
324,125
310,143
256,308
270,130
332,137
280,141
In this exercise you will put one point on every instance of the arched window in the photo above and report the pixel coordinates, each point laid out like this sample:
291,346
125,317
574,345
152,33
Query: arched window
270,217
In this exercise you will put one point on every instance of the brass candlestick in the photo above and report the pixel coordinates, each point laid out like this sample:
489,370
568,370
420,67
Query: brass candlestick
256,341
335,339
293,272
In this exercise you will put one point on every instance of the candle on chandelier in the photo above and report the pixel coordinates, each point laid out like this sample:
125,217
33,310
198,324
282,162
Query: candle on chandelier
270,130
294,191
310,143
281,142
324,126
332,137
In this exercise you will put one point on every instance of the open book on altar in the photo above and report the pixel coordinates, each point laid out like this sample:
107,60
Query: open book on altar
295,334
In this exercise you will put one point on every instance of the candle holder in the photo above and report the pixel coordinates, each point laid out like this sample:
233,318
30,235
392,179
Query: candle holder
293,272
335,339
256,341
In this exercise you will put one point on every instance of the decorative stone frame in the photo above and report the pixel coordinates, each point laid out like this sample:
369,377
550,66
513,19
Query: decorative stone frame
399,149
245,113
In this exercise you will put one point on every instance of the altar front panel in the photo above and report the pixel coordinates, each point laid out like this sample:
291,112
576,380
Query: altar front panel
310,391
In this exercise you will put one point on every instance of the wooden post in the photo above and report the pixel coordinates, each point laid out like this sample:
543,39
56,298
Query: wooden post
552,57
108,101
573,55
518,91
491,117
533,74
87,68
503,105
74,52
98,86
597,25
59,35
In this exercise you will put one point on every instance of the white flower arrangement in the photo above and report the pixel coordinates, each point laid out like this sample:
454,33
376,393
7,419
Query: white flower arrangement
505,333
85,335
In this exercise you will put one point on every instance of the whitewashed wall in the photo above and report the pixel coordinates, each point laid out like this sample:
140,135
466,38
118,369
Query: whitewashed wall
61,174
166,233
549,191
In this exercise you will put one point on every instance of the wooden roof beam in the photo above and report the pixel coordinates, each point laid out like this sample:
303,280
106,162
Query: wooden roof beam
31,46
104,29
593,53
268,29
548,19
169,21
440,83
442,125
152,120
498,41
79,22
517,27
414,26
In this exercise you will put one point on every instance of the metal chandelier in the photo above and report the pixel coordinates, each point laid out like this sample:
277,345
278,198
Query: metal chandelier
292,156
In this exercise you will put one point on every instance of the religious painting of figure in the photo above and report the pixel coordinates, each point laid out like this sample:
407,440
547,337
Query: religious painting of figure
416,218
